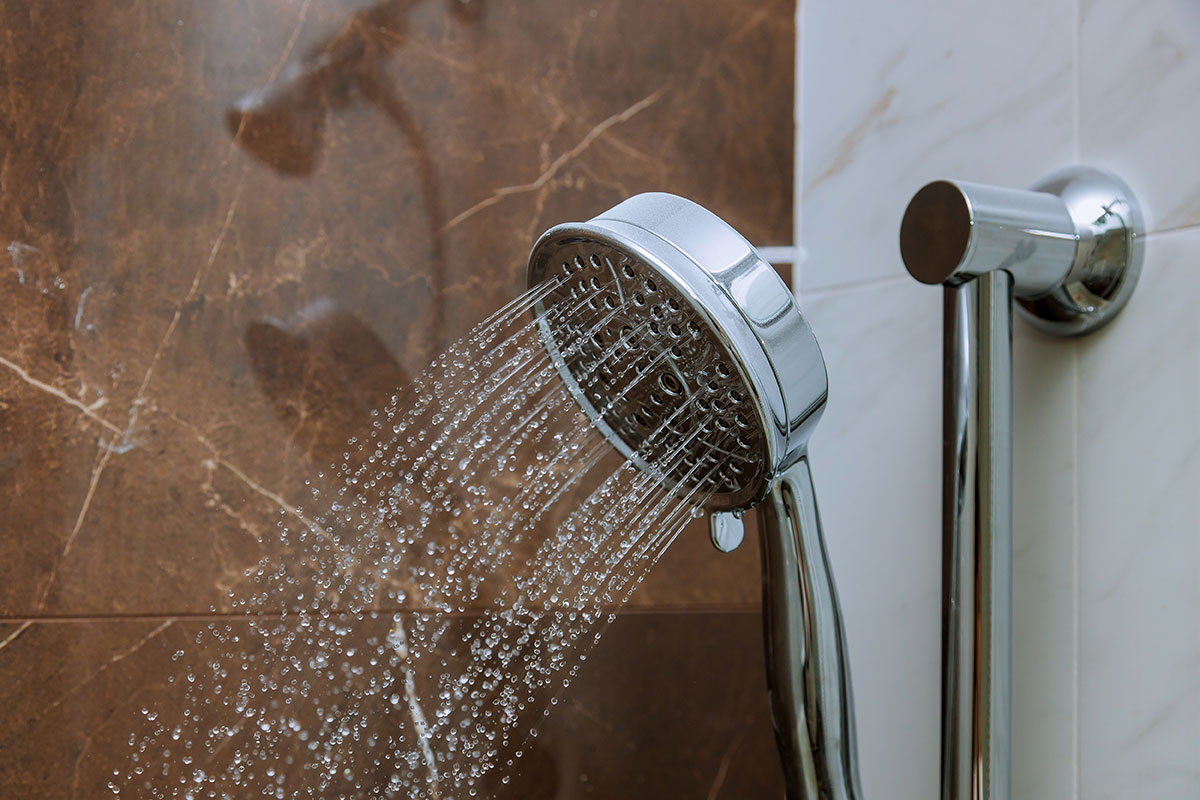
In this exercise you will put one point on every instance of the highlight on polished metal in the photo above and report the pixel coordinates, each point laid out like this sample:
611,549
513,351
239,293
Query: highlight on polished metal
691,291
1069,251
1072,243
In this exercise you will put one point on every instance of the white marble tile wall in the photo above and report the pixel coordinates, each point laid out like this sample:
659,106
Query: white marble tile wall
1139,100
1045,579
895,94
1107,430
1139,542
872,456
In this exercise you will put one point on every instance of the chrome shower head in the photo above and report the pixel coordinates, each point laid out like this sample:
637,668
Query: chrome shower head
727,385
714,330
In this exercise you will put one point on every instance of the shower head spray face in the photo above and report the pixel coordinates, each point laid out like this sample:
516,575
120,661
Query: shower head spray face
681,344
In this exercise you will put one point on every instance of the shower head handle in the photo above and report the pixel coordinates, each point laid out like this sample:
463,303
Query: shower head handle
808,665
730,344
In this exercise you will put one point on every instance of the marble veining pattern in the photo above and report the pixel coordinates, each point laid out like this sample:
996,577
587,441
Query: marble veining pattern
1106,524
1139,679
230,230
875,460
1139,101
302,264
898,94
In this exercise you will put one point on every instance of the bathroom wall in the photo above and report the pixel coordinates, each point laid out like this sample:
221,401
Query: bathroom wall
1107,429
199,311
204,293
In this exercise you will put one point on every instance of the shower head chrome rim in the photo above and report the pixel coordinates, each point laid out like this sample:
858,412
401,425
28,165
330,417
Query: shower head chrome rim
714,297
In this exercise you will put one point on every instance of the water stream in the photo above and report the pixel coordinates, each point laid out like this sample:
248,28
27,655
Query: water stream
449,579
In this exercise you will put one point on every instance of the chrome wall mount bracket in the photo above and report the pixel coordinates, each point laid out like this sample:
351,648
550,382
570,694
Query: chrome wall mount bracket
1072,242
1068,252
1109,250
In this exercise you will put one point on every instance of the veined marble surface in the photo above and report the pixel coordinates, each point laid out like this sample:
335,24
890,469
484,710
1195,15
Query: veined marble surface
876,457
1139,513
205,291
895,95
1106,430
877,463
1045,610
1139,101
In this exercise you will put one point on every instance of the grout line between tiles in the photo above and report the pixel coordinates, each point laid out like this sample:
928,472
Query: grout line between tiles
836,289
1077,79
1177,230
1077,611
798,147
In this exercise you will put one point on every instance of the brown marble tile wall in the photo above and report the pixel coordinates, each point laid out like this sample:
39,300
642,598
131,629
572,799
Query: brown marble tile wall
230,229
669,705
